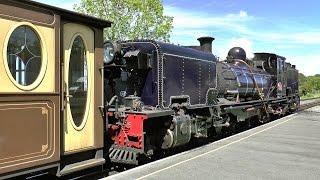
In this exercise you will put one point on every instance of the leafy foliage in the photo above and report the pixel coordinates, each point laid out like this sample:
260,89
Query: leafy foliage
132,19
309,86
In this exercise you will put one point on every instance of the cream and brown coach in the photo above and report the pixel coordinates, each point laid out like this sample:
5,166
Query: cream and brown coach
50,89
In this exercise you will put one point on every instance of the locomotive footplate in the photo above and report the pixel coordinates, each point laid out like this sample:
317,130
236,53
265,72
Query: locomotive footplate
125,155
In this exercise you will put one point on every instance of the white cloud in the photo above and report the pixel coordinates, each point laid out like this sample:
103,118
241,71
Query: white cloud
65,4
242,29
188,22
308,64
188,26
243,13
307,37
196,20
245,43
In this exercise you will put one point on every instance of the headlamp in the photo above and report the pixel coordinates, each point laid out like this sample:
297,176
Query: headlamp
109,52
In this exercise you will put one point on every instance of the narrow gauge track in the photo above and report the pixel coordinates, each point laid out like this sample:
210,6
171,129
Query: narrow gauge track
305,104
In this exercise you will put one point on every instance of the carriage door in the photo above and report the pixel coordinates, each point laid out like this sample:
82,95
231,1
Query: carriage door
78,122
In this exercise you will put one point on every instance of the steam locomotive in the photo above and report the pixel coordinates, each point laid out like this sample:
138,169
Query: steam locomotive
162,95
65,112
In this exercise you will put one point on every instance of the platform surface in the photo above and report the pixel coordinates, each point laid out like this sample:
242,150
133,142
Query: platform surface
287,148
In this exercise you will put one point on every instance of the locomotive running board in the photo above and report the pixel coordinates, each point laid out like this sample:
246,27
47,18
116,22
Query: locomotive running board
68,169
75,167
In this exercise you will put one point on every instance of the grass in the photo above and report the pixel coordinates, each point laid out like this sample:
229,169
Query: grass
310,96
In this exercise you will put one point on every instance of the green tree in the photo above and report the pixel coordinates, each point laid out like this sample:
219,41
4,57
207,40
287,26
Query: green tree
132,19
309,86
302,78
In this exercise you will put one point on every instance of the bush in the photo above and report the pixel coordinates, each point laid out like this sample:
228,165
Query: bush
309,86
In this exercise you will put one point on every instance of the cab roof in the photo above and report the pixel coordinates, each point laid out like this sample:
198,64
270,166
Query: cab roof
65,14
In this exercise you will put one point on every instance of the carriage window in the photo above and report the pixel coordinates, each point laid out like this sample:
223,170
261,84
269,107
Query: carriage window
78,80
24,55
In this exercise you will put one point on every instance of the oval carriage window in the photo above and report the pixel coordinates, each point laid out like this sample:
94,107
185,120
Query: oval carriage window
78,81
24,55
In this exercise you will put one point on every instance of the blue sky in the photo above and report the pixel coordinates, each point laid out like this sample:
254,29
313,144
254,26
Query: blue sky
288,28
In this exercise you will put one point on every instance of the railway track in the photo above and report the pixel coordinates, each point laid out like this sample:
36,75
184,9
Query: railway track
305,104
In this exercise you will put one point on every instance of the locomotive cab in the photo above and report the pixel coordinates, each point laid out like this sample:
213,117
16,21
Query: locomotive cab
276,66
284,77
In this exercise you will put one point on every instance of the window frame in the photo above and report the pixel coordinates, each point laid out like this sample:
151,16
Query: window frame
89,86
85,112
44,57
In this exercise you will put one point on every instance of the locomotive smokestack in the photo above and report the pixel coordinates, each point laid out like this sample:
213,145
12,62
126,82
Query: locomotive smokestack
206,44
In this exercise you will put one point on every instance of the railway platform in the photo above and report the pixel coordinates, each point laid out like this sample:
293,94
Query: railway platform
288,148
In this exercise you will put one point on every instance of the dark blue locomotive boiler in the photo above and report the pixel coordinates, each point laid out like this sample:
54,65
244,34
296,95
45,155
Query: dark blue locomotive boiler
160,96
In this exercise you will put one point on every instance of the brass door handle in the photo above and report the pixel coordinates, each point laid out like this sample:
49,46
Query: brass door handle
68,96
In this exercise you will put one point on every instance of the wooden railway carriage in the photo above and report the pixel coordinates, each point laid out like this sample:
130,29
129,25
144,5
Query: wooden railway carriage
50,89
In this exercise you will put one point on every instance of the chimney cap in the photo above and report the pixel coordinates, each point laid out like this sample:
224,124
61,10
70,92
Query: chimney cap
206,44
204,38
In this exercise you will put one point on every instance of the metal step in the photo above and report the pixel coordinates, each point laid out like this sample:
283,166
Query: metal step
123,155
81,166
